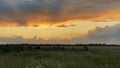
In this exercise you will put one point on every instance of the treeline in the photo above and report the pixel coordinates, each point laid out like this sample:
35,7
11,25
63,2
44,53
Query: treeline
46,47
60,44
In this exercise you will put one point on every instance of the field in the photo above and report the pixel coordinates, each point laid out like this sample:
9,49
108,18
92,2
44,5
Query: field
77,57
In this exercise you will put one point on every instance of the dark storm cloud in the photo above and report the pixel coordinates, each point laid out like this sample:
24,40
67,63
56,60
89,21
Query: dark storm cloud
36,12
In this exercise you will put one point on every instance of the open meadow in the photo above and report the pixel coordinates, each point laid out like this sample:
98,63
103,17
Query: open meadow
68,57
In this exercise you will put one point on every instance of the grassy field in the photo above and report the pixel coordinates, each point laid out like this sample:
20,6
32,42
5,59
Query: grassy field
96,57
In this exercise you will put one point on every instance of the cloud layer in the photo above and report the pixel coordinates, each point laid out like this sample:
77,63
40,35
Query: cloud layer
109,35
56,12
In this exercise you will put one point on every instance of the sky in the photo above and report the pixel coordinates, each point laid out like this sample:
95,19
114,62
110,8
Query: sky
59,21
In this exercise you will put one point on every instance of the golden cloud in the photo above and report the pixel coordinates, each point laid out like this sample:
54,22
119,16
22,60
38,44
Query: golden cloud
56,12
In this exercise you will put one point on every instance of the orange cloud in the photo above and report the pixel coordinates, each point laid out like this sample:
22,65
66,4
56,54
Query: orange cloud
56,12
3,24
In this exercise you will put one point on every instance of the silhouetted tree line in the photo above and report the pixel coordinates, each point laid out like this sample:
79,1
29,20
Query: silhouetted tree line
45,47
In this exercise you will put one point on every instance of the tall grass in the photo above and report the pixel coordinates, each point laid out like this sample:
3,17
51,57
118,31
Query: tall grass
96,57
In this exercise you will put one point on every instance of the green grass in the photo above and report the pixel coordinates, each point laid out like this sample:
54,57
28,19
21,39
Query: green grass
97,57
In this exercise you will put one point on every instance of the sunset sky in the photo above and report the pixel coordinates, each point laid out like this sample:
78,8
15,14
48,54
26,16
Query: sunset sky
60,21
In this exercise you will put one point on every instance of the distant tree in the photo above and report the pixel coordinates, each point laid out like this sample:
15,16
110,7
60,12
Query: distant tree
62,48
58,47
86,48
53,48
73,48
37,48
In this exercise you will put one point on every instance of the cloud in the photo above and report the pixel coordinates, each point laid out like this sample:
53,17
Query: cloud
53,12
66,26
109,35
19,40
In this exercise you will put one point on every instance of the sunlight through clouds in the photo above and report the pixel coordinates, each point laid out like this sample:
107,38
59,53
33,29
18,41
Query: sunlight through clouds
52,20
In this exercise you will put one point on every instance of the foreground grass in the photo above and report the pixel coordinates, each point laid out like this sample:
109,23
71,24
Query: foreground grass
97,57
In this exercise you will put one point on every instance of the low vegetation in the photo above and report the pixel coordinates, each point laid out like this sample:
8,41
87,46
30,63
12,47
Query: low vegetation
57,56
